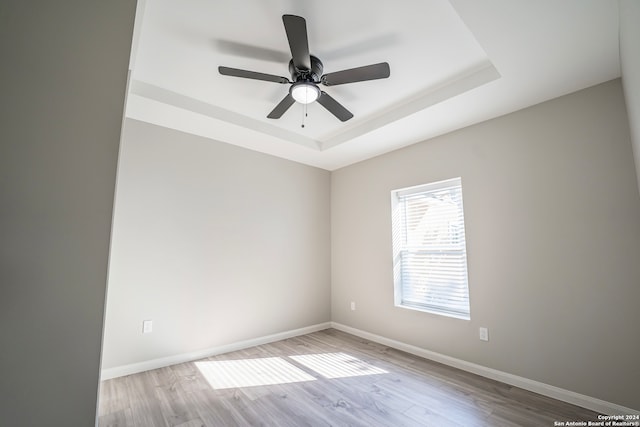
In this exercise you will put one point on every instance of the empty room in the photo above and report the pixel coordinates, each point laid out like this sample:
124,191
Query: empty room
294,213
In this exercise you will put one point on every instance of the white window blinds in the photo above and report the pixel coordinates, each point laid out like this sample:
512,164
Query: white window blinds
430,257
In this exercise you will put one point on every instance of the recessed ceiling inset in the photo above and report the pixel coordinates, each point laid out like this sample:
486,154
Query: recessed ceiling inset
455,63
306,74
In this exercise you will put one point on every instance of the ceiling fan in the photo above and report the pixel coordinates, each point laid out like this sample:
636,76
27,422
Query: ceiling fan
306,74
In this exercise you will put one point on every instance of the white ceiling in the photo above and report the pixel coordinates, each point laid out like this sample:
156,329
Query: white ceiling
453,63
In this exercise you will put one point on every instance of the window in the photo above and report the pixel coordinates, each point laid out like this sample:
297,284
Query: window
429,250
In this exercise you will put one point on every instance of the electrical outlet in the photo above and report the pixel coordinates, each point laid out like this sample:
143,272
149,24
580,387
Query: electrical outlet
484,334
147,326
353,305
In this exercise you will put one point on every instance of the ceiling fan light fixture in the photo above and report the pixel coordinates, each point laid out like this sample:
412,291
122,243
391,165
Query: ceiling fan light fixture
305,92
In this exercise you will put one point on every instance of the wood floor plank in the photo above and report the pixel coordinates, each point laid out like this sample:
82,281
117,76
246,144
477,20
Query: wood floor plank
173,405
354,382
192,423
211,410
113,396
121,418
144,403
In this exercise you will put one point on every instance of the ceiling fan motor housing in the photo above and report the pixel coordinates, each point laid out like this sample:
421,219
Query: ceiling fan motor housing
312,75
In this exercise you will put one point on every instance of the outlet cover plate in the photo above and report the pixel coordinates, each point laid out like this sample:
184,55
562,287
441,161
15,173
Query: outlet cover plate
147,326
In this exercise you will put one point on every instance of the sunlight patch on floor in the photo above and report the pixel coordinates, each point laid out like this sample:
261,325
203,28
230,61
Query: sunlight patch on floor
337,365
223,374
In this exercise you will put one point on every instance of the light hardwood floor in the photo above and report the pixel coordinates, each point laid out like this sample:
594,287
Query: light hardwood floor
342,384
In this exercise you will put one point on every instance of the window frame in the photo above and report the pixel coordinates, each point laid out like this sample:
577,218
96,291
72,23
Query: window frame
401,251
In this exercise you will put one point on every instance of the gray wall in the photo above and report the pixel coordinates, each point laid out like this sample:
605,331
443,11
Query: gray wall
215,243
62,89
553,237
630,67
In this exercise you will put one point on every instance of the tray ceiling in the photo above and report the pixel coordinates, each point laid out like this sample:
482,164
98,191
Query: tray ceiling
452,64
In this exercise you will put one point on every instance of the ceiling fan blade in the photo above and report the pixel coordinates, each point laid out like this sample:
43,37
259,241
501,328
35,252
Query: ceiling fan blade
283,106
296,29
360,74
334,107
236,72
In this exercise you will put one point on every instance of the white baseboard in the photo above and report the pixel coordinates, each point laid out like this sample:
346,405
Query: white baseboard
134,368
578,399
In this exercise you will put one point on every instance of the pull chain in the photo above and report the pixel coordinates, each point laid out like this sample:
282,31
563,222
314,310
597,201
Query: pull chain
304,108
304,113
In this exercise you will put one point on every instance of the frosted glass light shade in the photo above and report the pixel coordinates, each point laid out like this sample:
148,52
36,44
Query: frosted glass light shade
305,93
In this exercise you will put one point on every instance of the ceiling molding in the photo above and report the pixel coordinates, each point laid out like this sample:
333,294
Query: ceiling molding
456,85
193,105
463,82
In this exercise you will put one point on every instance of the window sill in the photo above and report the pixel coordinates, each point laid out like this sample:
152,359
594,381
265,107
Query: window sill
435,311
